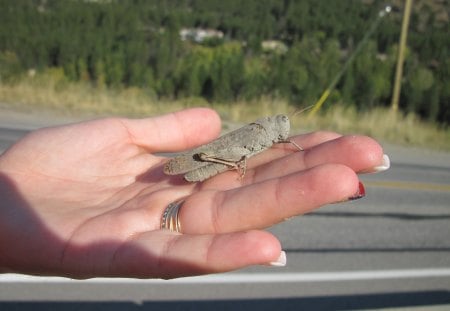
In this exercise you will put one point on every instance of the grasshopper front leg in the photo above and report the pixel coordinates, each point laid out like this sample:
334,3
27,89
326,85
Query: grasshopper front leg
293,143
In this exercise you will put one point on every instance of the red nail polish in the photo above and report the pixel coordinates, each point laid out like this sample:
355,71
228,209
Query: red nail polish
361,193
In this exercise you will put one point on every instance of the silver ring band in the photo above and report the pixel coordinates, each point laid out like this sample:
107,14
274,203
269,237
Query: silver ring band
170,219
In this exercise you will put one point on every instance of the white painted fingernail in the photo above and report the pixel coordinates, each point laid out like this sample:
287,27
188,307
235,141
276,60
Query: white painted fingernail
281,261
384,166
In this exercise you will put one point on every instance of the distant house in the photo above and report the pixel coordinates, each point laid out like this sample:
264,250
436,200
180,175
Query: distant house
199,34
274,46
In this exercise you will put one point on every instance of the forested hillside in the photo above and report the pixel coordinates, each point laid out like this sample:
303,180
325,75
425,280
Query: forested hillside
235,49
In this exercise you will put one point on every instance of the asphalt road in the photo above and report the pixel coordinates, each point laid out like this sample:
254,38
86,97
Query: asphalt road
388,250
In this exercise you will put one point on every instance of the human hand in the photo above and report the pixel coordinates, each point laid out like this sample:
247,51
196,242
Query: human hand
86,200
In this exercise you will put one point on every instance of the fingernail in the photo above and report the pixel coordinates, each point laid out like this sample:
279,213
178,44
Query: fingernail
361,193
385,165
280,262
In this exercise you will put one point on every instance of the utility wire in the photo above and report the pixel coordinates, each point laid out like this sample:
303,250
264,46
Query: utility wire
358,48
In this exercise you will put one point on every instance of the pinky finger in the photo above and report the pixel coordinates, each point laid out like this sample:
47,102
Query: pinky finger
164,254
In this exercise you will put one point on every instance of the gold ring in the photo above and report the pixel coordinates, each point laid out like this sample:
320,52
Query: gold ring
170,219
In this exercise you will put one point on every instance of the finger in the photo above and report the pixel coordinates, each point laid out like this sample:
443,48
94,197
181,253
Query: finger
164,254
175,131
357,152
312,139
305,141
268,202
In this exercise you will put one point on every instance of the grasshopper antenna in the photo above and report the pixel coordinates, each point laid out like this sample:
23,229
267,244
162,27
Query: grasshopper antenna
299,111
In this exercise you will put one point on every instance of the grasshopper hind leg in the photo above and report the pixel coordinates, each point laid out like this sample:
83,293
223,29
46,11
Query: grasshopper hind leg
217,166
242,167
205,172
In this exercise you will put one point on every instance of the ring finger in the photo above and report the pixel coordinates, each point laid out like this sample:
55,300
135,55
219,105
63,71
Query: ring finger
263,204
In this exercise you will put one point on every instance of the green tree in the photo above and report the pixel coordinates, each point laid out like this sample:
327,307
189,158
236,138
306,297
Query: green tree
255,79
10,67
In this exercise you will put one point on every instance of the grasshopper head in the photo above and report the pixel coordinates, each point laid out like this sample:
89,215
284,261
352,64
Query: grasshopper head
281,127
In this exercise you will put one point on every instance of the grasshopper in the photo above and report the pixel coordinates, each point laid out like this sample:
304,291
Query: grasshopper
231,150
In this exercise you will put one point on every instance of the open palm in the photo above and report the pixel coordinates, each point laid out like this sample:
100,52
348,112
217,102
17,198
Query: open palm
86,200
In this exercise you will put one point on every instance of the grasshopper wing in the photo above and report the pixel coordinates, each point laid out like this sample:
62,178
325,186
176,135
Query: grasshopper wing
230,147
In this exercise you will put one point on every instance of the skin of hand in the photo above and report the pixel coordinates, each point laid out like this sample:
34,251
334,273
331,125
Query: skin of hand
85,200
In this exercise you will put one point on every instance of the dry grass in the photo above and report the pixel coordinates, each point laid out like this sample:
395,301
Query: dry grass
52,92
48,91
385,125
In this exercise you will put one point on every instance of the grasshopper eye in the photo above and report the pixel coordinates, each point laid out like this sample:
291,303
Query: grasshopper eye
281,118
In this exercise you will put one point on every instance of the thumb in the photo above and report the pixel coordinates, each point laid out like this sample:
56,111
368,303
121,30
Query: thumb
176,131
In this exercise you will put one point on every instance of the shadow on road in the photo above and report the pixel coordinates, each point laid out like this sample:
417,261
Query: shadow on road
392,300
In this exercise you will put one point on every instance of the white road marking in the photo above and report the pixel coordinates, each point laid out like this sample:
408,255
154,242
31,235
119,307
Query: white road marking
234,278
